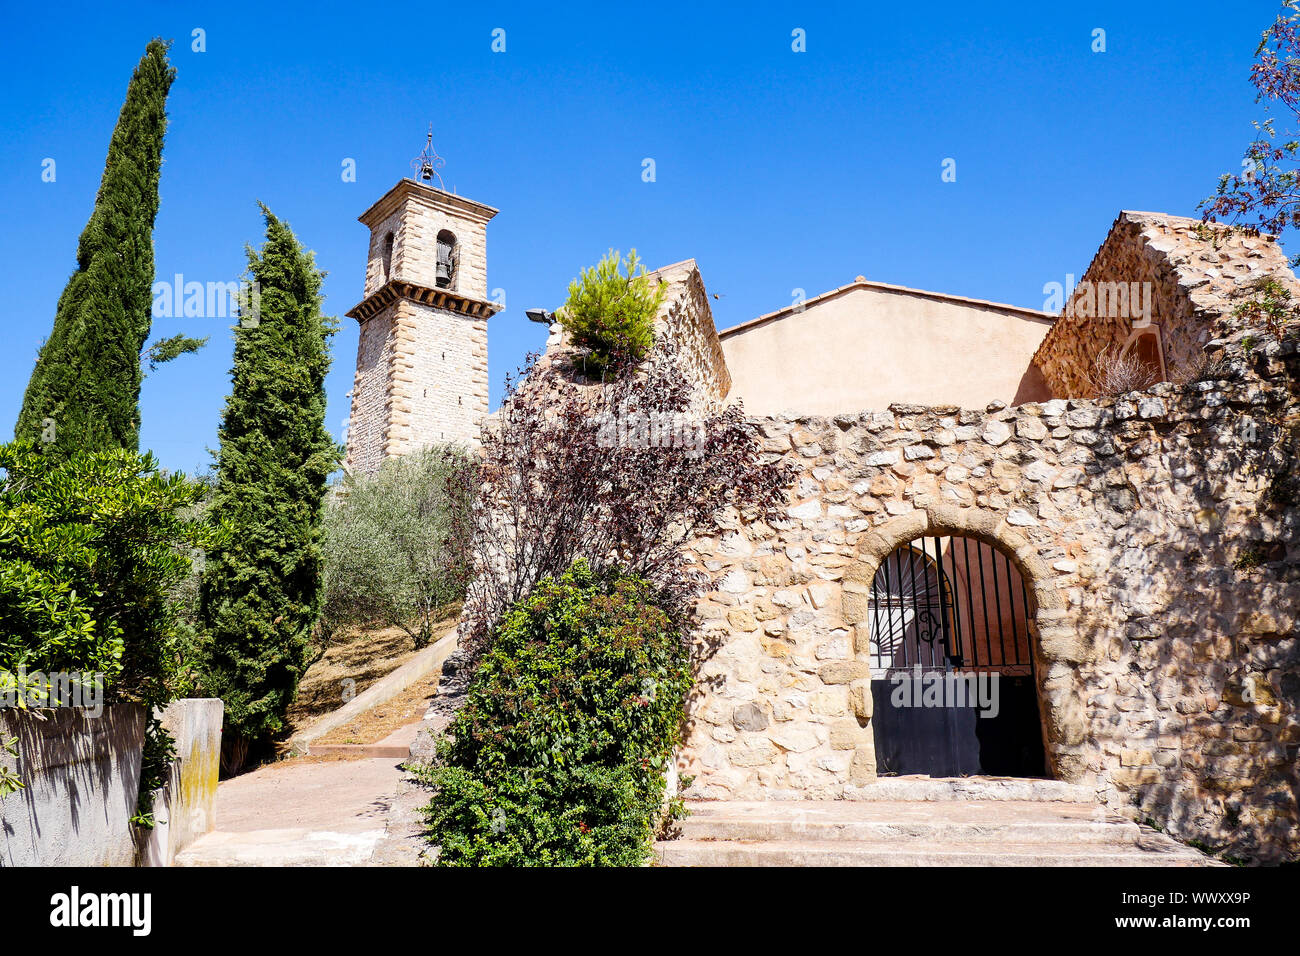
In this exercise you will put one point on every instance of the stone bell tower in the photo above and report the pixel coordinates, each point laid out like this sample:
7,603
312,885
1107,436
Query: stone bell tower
422,374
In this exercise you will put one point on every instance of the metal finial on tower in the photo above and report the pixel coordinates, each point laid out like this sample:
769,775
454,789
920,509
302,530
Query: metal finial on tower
429,162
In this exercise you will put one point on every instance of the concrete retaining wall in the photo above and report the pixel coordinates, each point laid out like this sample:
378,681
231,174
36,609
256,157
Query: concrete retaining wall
420,666
184,807
81,777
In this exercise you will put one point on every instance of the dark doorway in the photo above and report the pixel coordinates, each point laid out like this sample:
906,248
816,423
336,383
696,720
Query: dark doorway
952,663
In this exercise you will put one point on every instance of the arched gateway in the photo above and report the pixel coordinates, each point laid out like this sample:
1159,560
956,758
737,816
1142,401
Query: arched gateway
952,662
945,615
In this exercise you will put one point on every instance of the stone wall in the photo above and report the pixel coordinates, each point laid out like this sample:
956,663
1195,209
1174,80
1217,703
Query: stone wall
413,214
421,379
1157,536
1165,588
368,415
686,318
1154,269
440,382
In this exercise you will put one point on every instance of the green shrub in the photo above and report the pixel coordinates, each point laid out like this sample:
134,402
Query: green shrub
10,781
558,757
395,543
611,315
191,641
91,548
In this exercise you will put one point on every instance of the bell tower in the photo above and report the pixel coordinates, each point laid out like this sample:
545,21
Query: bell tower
422,374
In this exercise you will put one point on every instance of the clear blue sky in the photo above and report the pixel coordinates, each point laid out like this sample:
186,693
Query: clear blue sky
776,170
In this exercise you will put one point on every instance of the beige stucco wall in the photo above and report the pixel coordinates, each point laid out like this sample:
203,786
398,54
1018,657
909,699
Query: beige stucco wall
868,347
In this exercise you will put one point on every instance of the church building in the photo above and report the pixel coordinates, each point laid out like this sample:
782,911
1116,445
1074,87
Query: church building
969,504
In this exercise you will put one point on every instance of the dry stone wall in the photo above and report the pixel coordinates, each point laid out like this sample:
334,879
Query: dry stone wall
1158,534
1154,269
1165,586
686,319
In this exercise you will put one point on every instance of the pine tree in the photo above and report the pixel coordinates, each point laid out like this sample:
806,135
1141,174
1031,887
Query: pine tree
261,593
84,391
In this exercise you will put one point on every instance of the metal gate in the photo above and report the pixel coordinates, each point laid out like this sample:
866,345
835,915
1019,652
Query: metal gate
918,615
953,606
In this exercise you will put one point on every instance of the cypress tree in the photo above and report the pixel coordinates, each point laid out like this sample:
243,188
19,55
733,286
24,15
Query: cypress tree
85,389
261,593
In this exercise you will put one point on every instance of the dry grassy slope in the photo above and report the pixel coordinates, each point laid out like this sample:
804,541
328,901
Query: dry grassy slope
362,657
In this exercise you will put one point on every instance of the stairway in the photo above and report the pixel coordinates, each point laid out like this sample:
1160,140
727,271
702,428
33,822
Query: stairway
924,822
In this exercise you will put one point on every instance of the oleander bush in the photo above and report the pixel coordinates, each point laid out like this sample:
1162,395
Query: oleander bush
559,755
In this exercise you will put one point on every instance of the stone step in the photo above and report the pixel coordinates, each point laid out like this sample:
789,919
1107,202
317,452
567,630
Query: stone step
919,853
918,787
975,820
944,832
940,829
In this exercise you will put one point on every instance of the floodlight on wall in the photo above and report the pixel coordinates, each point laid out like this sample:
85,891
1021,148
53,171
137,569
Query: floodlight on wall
540,315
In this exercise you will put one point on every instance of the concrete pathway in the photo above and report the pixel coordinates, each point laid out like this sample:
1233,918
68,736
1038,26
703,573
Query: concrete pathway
312,812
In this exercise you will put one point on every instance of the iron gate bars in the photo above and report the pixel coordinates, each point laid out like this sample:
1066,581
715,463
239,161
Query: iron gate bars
950,603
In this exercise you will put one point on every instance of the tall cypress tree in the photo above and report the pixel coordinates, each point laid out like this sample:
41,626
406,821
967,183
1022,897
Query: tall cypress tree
85,389
261,594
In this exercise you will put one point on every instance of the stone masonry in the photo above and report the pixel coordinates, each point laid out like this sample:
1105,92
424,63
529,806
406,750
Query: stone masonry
1165,581
422,374
1185,270
1157,533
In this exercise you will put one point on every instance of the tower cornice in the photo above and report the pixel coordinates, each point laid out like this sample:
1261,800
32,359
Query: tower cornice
409,189
396,289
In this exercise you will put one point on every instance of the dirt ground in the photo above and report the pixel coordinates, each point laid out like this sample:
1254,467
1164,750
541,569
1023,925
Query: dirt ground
380,721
